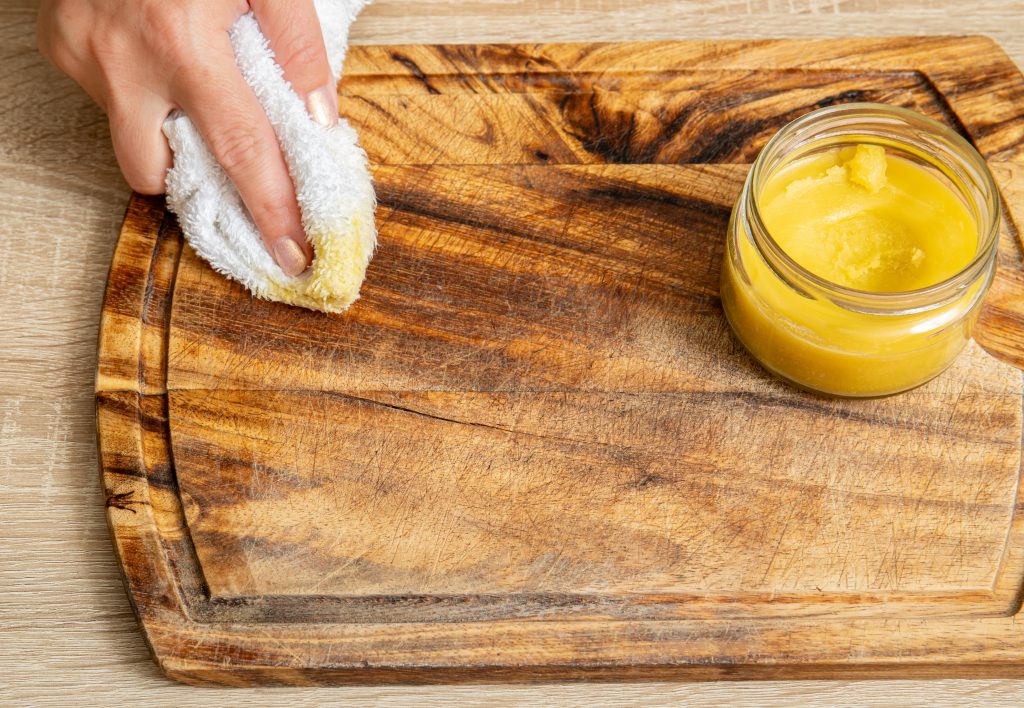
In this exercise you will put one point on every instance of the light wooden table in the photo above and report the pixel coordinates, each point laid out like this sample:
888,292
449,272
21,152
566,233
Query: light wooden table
67,634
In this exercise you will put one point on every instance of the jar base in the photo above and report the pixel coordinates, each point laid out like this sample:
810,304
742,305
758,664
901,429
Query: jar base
821,393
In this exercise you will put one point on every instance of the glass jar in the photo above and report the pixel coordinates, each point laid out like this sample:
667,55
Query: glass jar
833,339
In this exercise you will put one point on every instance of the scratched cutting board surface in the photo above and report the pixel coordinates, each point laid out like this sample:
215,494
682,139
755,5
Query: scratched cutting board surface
533,448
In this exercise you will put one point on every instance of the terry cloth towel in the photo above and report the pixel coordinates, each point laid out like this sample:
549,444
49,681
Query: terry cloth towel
332,182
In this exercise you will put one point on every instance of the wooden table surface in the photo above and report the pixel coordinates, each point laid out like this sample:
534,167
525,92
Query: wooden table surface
66,629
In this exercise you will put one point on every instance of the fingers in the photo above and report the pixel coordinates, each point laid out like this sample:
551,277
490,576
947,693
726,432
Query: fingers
293,30
140,146
231,120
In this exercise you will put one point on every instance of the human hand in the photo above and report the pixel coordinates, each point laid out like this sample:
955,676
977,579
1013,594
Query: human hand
140,59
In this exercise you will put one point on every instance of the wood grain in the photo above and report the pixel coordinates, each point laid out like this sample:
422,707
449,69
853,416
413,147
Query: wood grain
67,628
532,449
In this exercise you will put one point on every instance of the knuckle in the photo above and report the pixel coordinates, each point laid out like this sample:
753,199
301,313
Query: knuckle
111,54
106,49
168,30
303,59
273,208
164,18
273,211
237,149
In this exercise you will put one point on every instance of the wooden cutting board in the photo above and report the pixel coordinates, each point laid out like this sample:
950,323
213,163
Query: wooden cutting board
533,448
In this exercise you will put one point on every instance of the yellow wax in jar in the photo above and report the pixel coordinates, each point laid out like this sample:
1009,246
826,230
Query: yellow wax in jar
860,219
866,220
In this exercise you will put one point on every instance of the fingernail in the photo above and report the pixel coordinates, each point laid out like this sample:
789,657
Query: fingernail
290,257
322,105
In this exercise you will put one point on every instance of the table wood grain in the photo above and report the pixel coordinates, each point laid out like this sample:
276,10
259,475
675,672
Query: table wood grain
66,629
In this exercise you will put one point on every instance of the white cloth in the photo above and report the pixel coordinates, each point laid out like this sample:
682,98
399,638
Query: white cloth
328,167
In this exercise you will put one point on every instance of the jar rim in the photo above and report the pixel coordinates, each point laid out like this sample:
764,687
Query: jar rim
959,150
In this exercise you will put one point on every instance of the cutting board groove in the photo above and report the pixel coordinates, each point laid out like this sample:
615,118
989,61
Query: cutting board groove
532,449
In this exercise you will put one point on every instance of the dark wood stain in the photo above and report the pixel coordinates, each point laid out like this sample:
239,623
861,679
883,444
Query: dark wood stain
415,71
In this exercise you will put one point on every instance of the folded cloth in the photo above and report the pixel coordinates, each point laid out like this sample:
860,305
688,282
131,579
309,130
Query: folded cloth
327,166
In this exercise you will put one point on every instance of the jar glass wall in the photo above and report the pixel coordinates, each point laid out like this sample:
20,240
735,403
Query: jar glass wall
835,339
